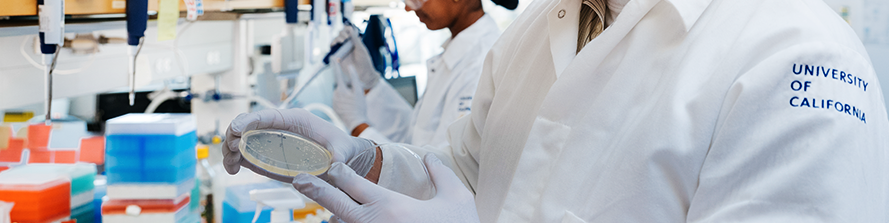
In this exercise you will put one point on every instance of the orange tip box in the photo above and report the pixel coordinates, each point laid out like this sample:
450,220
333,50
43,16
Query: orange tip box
134,211
37,197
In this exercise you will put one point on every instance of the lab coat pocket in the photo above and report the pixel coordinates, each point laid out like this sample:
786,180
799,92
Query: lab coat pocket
571,218
546,139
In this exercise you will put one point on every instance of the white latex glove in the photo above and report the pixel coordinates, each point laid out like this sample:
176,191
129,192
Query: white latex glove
342,146
372,203
357,61
349,102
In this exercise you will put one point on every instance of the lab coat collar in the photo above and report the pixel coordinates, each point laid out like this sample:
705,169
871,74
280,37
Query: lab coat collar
563,20
456,49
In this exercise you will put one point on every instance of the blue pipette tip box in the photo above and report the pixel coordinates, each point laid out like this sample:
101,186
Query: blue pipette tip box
154,148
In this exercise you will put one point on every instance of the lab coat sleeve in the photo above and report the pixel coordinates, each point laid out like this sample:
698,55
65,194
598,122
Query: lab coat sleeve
781,154
402,169
388,115
375,135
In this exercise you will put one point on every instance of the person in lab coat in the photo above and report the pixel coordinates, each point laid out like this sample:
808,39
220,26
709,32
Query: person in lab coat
452,78
679,111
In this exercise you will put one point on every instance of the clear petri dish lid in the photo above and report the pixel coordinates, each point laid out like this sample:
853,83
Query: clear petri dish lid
284,153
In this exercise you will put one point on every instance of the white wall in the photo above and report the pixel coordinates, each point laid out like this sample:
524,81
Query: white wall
21,83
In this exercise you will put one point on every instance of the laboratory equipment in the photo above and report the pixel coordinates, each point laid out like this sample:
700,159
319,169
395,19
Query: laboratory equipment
338,50
136,191
37,197
282,201
92,150
81,177
137,22
150,148
38,136
150,164
414,4
51,15
287,48
14,153
100,189
137,211
237,206
284,153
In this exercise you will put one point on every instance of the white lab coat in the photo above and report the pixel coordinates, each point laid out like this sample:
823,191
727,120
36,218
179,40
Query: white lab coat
388,114
452,80
681,111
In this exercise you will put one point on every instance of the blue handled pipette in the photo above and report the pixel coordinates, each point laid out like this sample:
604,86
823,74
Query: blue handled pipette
137,22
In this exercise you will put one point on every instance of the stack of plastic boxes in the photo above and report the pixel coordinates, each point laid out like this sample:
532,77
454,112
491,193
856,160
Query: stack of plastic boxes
237,206
37,198
81,175
150,166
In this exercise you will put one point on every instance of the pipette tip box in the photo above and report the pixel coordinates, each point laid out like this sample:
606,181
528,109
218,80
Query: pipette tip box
158,148
37,197
81,175
237,206
153,210
132,191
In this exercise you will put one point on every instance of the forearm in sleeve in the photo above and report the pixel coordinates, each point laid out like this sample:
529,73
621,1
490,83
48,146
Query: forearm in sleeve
403,170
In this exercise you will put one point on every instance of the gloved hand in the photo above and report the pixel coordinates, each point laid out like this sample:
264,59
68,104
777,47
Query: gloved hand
342,146
357,61
452,201
349,102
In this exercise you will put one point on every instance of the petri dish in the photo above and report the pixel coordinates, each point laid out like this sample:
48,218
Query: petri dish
284,153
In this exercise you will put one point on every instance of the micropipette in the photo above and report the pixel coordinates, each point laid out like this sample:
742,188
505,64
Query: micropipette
137,22
51,18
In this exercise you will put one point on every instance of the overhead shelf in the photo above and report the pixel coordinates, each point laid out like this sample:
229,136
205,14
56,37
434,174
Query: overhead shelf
97,7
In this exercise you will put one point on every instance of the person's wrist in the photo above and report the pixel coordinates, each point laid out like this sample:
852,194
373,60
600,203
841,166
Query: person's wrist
359,129
374,174
365,161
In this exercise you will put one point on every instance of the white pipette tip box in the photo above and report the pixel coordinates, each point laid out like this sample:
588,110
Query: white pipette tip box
132,191
151,124
150,148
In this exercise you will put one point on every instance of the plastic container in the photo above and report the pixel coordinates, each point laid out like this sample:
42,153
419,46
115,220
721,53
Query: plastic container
195,194
84,213
156,148
232,215
37,197
132,191
92,150
99,191
115,207
13,152
78,200
171,210
284,153
82,175
38,136
237,206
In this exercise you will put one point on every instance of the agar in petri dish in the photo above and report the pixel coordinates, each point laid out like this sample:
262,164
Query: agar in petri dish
284,153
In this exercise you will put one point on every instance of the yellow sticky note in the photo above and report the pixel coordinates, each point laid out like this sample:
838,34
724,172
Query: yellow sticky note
167,17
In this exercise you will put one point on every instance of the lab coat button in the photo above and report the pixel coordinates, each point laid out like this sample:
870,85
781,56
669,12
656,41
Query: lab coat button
561,13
